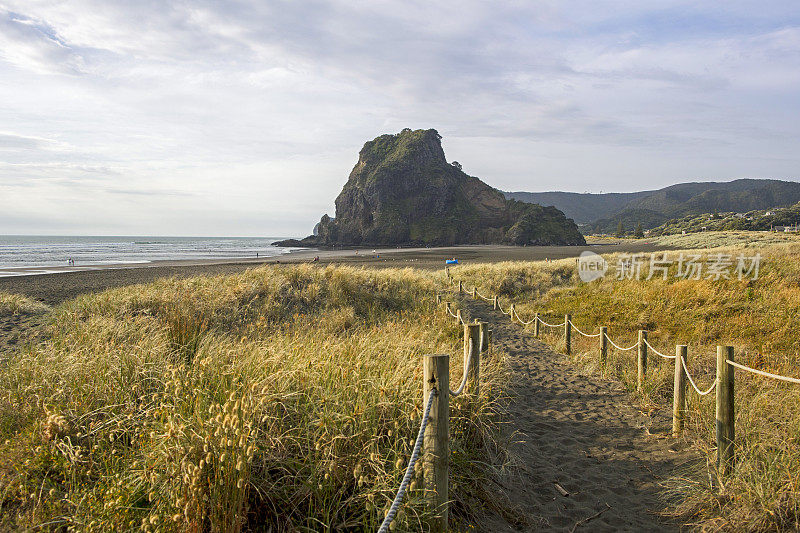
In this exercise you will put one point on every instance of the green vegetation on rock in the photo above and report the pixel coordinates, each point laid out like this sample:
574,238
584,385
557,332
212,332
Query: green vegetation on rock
403,191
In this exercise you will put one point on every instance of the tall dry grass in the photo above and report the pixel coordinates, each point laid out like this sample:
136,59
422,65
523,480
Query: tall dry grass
760,318
279,398
13,304
717,239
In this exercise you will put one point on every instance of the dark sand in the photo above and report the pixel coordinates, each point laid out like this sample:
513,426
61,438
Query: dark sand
580,432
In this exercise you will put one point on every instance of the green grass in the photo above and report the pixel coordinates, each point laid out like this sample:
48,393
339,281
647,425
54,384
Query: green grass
280,398
760,318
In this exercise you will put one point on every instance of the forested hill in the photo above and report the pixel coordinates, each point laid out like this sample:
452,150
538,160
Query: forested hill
602,213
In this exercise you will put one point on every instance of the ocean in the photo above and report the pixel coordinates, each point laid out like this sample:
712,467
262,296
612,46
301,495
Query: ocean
26,251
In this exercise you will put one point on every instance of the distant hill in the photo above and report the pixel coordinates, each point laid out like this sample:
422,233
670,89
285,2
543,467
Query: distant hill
583,208
403,191
601,213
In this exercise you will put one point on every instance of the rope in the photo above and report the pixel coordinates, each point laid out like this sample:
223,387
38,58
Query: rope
657,352
552,325
500,307
688,375
482,296
761,372
522,321
582,333
615,345
460,388
451,313
401,492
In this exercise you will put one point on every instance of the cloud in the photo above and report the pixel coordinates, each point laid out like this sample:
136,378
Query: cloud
241,107
32,44
10,141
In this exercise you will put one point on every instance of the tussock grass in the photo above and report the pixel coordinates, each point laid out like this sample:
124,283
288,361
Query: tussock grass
760,318
14,304
715,239
279,398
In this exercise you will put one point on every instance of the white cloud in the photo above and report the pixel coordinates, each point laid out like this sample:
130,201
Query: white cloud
245,117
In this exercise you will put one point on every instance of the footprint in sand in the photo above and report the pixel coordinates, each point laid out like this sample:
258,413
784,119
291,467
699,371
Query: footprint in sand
580,432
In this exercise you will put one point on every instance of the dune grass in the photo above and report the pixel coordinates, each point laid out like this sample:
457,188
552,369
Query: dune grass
281,399
14,304
716,239
760,318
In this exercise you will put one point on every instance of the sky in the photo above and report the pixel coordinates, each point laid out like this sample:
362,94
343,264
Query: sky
221,117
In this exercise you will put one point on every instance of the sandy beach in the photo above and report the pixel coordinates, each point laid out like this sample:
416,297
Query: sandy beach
64,283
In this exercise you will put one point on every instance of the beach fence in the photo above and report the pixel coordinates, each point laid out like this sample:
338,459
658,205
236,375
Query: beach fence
432,443
433,438
723,383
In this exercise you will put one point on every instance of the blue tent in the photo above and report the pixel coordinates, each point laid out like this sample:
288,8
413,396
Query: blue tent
451,262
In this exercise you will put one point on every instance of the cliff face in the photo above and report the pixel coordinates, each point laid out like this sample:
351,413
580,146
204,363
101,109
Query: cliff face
403,191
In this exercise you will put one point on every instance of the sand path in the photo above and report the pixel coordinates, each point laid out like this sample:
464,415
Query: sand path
18,330
580,432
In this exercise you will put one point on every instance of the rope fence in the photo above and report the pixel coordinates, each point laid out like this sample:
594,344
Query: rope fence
582,333
432,444
620,348
694,385
501,309
723,382
762,373
552,325
460,388
401,492
479,295
522,321
657,352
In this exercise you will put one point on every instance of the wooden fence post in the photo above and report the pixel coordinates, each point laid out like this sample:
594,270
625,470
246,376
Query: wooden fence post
603,346
472,353
725,410
641,361
438,299
447,309
679,391
568,333
436,453
460,288
494,302
511,312
458,316
484,337
536,326
474,293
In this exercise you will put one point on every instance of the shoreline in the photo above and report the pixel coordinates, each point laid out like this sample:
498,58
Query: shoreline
324,254
53,288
